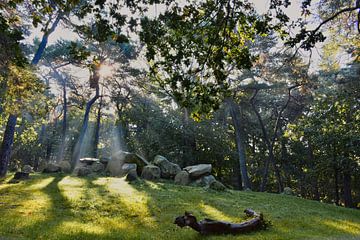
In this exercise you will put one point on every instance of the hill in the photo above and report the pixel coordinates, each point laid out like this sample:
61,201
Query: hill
67,207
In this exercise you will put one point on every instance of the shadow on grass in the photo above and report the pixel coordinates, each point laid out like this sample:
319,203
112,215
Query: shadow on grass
66,207
291,217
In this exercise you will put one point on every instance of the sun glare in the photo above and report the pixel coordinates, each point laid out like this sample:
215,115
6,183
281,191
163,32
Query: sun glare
106,70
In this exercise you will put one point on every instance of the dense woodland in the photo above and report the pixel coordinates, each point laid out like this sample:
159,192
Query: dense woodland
271,101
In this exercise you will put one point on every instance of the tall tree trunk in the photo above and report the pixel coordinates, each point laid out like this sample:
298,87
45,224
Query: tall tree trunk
97,130
347,182
79,144
271,157
45,39
347,189
64,124
336,186
314,177
189,142
270,146
7,143
239,135
336,176
50,142
8,138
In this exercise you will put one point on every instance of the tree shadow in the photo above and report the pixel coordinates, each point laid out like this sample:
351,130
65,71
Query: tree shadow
65,207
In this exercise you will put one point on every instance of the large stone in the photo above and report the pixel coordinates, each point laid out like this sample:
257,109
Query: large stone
19,176
104,160
205,181
114,166
199,170
65,166
168,169
151,172
131,176
27,169
127,167
41,165
52,168
89,161
288,191
83,171
97,167
182,178
218,186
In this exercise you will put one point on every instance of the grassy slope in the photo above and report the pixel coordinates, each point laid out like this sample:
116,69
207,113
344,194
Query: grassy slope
65,207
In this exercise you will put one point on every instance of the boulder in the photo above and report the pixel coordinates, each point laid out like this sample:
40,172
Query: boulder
65,166
89,161
27,169
218,186
83,171
151,172
114,166
182,178
127,167
41,165
205,181
19,176
52,168
104,160
168,169
288,191
199,170
131,176
97,167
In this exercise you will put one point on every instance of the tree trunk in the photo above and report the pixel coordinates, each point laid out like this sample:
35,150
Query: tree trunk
347,189
336,186
50,142
79,144
314,177
10,126
236,120
97,130
6,145
271,157
44,40
189,142
64,124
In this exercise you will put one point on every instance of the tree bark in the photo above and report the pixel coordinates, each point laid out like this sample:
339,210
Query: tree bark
7,143
79,144
189,142
8,139
270,145
45,39
97,130
314,177
64,124
347,189
239,135
209,226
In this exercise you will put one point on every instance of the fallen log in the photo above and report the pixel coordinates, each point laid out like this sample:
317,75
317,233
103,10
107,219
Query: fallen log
209,226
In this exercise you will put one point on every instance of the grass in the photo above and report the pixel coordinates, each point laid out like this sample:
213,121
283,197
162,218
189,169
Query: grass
67,207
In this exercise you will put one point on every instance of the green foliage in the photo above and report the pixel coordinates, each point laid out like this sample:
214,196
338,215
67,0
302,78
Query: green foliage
191,49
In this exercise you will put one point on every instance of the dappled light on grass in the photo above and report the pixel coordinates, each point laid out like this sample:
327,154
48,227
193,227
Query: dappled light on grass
214,213
345,226
75,226
67,207
134,201
72,187
41,184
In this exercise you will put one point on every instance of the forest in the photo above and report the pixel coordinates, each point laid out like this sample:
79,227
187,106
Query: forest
104,104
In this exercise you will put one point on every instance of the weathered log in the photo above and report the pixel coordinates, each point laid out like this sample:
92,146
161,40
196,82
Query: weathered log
208,226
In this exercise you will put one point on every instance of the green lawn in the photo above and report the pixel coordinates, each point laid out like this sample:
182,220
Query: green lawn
67,207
